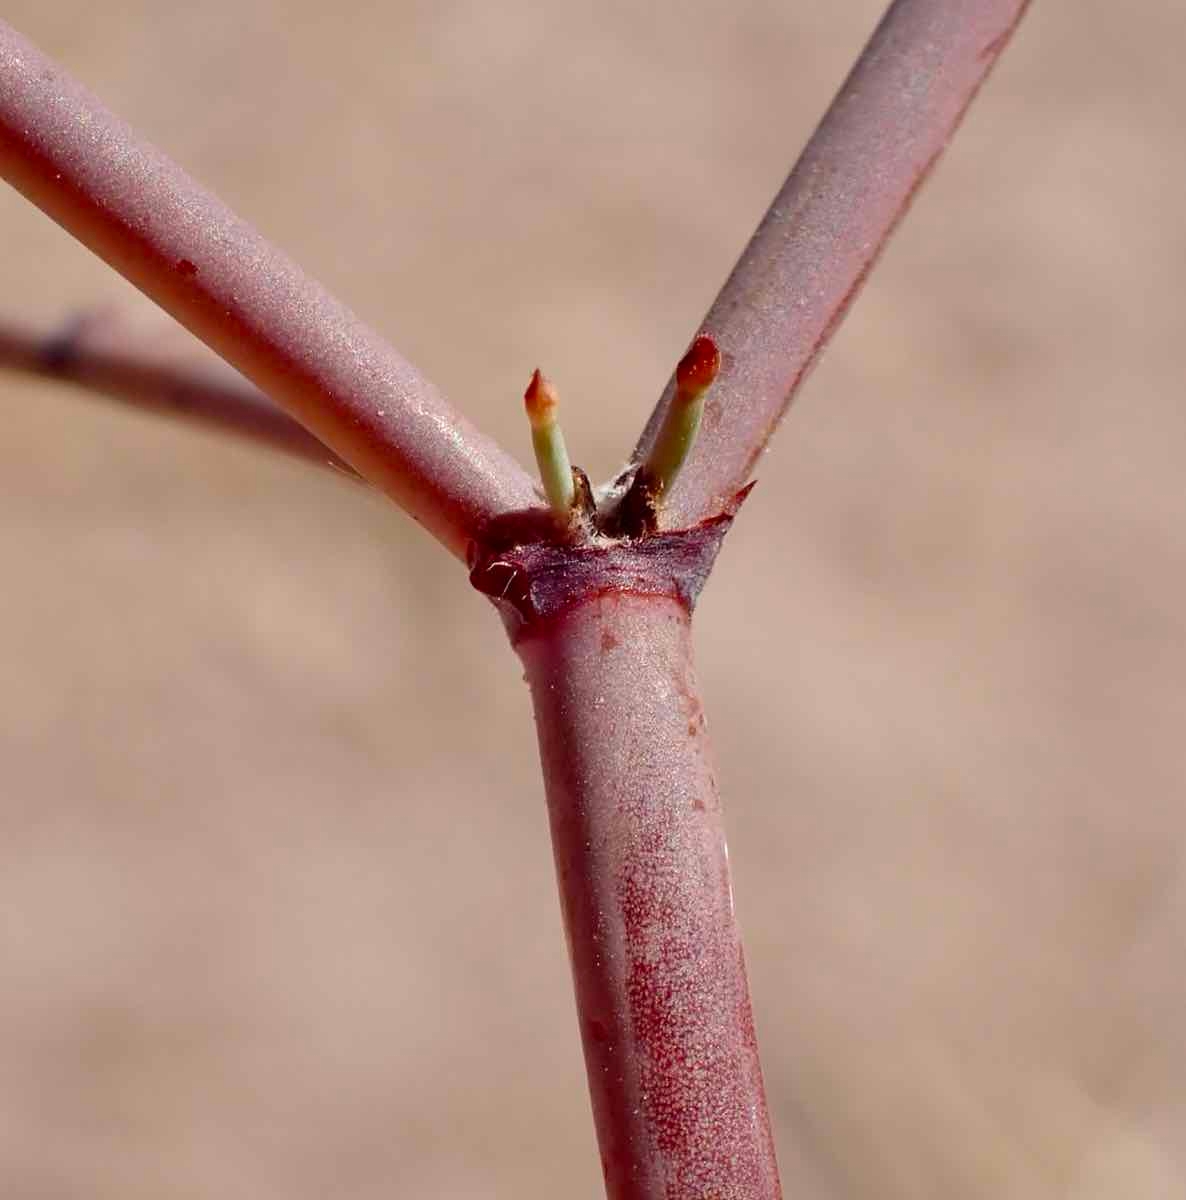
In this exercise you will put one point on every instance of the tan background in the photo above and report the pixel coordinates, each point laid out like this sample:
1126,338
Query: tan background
276,909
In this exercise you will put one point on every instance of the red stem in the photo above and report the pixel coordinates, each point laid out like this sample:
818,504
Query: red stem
660,981
180,245
884,131
107,361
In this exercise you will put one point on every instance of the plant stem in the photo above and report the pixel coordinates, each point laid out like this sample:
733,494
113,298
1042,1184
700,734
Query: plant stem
181,246
661,991
105,361
795,280
662,997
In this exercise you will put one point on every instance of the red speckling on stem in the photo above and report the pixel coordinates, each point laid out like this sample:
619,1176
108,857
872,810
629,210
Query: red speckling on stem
643,870
604,634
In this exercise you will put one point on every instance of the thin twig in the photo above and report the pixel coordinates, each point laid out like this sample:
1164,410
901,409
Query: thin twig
884,131
176,242
99,355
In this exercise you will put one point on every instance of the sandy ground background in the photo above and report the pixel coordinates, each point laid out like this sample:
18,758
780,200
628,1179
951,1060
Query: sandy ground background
277,917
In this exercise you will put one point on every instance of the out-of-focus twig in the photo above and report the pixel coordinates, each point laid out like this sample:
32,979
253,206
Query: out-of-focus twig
97,353
884,131
187,251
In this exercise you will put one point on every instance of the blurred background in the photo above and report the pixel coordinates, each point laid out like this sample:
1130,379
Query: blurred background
277,916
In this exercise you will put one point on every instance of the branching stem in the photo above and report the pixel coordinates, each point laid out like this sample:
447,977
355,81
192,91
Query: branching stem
795,280
180,245
604,635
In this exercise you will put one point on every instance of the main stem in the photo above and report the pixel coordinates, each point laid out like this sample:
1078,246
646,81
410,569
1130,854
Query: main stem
643,870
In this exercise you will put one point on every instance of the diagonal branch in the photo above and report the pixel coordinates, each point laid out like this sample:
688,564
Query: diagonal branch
181,246
811,253
93,354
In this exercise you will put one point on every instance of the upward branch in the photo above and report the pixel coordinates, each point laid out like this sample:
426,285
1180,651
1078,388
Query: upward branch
181,246
807,260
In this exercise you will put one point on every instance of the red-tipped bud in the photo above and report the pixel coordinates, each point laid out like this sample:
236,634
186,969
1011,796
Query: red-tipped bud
541,401
698,368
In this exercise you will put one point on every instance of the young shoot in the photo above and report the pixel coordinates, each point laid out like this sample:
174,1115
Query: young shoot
693,377
547,441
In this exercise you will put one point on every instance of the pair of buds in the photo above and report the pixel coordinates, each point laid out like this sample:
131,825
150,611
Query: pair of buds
693,377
